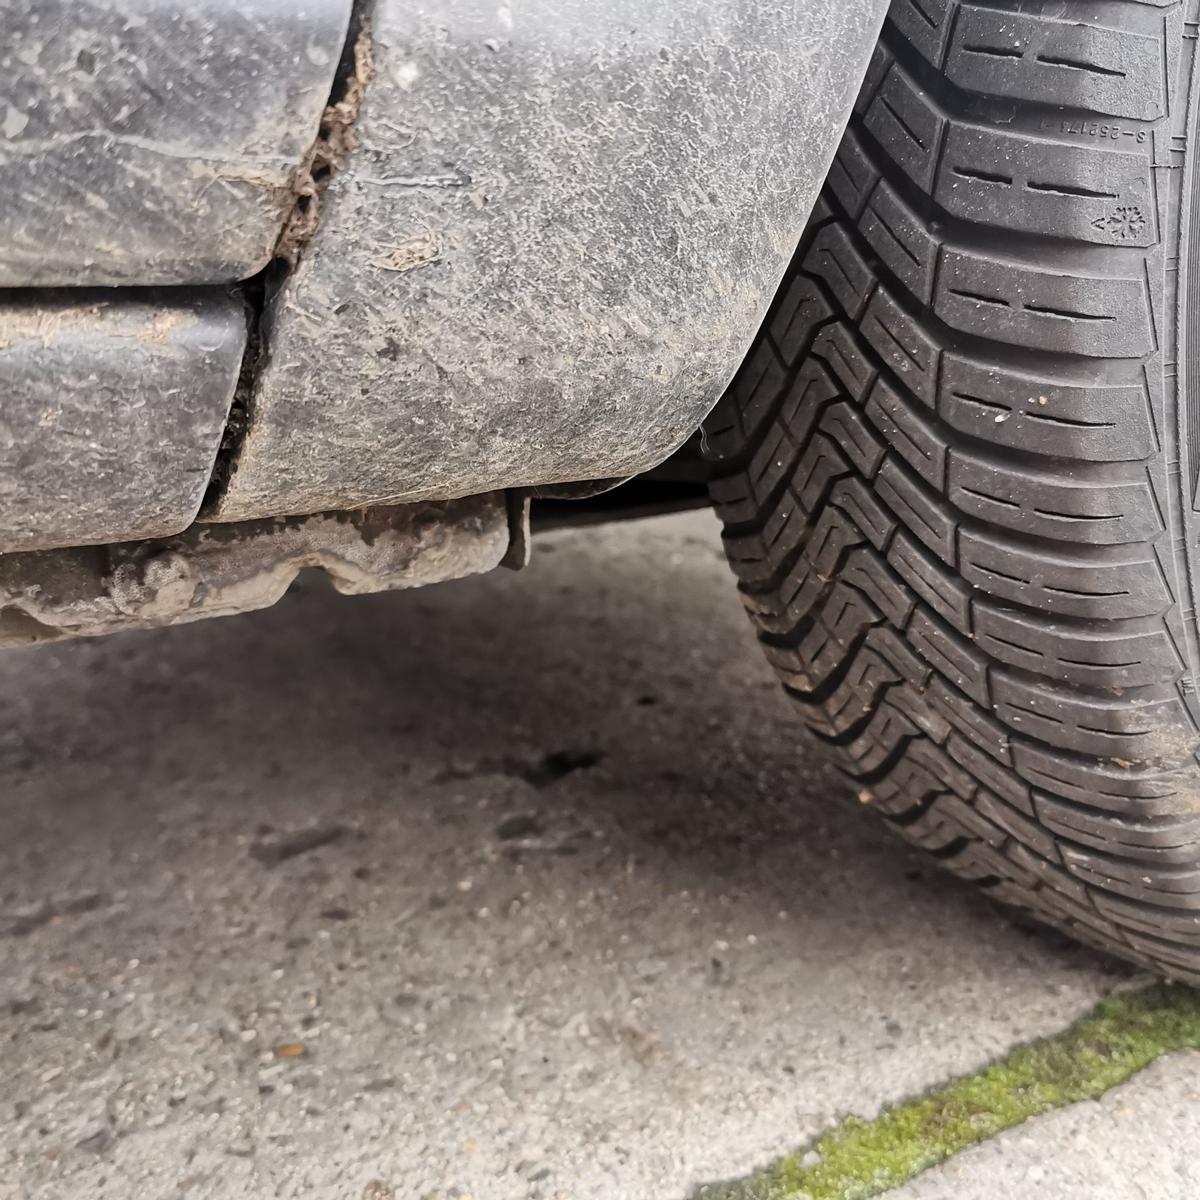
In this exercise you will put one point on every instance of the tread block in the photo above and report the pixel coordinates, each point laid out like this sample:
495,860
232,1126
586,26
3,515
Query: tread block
948,773
1179,961
836,260
1169,839
1073,62
837,347
1173,885
1182,923
1090,194
872,577
978,861
914,438
921,773
732,499
1128,730
792,671
1053,505
877,71
1078,919
787,612
848,614
1137,792
829,642
926,519
1044,307
949,655
990,774
925,25
831,537
821,211
751,396
1024,829
852,175
915,669
1096,422
805,399
846,426
1122,582
908,126
757,557
853,498
941,825
821,464
859,692
1097,654
796,317
903,345
901,240
773,461
944,592
885,736
1051,875
972,721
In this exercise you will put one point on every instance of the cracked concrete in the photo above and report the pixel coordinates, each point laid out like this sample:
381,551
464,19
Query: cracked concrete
521,888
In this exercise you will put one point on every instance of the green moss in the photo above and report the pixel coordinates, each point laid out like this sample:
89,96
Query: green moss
858,1159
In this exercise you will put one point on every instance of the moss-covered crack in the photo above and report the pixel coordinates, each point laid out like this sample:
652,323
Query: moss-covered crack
858,1159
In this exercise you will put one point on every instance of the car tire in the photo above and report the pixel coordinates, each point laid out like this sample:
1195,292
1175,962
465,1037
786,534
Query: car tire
958,469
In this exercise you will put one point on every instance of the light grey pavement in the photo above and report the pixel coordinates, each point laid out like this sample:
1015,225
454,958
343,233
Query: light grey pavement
1141,1141
490,978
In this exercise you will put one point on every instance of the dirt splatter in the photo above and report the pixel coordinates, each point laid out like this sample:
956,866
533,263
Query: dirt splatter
336,139
408,255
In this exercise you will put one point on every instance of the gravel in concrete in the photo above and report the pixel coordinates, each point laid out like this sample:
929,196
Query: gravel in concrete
1141,1141
523,888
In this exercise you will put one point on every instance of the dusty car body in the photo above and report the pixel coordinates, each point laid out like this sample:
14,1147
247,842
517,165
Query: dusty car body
265,261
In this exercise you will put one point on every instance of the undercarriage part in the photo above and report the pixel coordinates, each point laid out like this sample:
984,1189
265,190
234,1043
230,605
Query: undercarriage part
631,501
156,141
213,571
552,240
113,406
676,485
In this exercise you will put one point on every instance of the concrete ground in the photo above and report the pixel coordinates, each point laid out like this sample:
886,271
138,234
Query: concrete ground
521,888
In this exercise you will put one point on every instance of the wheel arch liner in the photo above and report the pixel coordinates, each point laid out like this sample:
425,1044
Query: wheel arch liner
558,232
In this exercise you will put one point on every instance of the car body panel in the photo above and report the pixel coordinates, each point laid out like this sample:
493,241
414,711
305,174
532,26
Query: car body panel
113,409
561,227
155,141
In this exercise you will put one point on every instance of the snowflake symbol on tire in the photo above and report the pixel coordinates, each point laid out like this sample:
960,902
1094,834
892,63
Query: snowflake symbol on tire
1125,221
